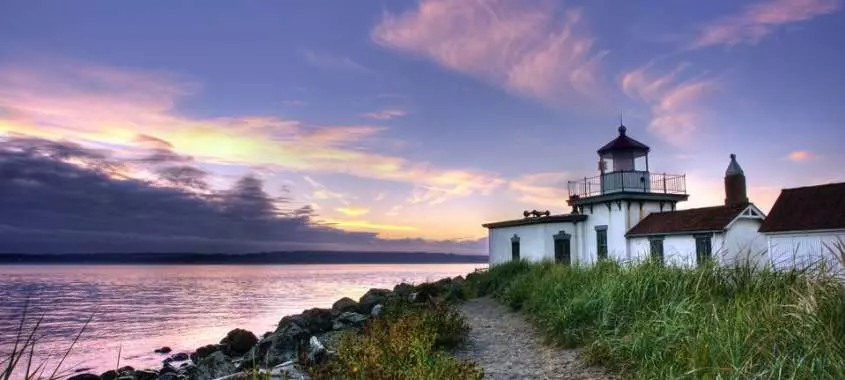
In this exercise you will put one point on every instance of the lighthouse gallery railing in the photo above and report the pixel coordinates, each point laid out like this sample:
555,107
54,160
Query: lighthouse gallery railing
629,181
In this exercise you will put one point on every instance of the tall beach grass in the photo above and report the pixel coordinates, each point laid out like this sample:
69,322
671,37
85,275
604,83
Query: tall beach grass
19,359
656,322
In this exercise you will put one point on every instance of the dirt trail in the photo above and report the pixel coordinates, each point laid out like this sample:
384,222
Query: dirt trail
506,346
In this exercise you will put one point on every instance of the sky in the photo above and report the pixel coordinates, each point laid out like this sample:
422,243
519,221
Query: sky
387,124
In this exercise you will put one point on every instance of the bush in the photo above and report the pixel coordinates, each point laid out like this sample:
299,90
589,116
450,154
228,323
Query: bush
404,344
662,322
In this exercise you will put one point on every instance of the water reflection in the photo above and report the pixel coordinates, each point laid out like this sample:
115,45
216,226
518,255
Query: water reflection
140,308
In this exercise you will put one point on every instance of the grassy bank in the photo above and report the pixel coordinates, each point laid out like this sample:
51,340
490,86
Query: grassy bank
409,341
654,322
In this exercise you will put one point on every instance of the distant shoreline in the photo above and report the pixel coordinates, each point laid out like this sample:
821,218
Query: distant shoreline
295,257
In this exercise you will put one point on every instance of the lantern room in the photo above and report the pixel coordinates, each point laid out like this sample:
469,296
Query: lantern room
624,154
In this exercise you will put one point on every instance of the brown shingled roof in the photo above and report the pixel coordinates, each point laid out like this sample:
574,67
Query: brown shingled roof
705,219
808,208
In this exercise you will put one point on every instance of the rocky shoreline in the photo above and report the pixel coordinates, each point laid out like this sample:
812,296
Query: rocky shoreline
299,341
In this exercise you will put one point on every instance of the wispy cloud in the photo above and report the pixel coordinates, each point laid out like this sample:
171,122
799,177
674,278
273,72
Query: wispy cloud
394,210
352,211
334,62
387,114
527,49
321,192
100,106
541,189
758,20
800,156
674,101
452,184
363,225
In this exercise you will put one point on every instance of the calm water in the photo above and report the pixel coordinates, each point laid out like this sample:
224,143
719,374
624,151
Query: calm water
141,308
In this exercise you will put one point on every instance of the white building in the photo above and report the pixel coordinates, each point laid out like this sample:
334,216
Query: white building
628,213
807,225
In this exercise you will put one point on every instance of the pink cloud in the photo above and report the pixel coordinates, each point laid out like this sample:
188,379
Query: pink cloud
800,156
385,114
526,49
674,102
756,21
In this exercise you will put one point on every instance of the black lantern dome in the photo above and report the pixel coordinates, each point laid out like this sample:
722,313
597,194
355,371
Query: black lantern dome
623,144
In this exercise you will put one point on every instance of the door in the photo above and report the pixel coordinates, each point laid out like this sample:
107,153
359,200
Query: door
562,251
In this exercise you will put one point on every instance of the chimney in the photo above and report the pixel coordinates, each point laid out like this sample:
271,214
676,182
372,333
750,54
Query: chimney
735,192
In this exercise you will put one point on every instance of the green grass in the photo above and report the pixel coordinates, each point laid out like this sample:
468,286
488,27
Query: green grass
654,322
408,342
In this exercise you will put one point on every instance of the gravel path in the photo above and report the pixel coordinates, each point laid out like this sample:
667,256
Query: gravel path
506,346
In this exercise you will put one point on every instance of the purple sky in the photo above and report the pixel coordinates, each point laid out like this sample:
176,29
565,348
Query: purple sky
391,124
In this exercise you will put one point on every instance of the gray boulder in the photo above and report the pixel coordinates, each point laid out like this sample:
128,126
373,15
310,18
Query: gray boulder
84,376
288,370
169,376
371,298
238,341
316,351
317,320
108,375
180,357
204,351
376,310
343,305
145,375
348,320
214,366
255,356
285,343
187,371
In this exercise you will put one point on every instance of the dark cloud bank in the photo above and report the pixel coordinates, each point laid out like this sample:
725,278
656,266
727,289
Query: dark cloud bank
59,197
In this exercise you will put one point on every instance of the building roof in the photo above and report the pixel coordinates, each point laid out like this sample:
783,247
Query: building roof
622,143
808,208
539,220
705,219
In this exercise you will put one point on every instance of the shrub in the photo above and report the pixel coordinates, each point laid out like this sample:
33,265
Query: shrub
404,344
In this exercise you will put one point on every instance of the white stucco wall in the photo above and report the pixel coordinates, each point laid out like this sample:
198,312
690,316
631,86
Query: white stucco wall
743,244
801,249
618,219
536,241
678,250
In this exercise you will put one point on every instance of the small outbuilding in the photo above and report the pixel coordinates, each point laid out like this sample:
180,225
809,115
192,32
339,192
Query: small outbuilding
807,226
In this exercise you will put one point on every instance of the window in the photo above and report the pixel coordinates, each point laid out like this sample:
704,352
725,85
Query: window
656,249
703,248
601,242
515,248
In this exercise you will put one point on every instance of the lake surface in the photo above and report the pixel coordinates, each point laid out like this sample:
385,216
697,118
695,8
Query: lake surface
138,308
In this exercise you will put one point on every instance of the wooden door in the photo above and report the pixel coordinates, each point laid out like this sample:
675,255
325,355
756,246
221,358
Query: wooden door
563,253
